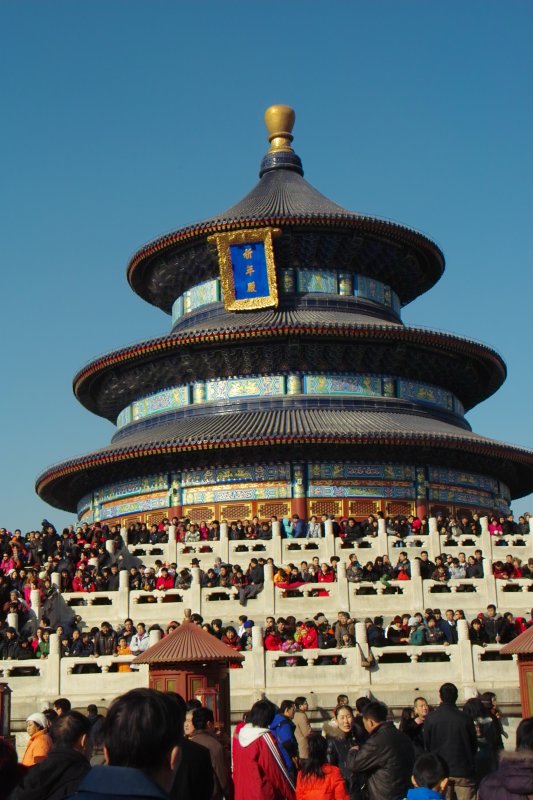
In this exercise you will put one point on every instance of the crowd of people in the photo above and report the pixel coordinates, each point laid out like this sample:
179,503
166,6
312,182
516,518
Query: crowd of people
155,745
82,563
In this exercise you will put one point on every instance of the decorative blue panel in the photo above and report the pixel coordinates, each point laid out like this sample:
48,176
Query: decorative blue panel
371,289
256,473
151,483
425,393
203,294
134,507
262,386
461,497
365,385
177,309
318,281
459,478
177,397
353,470
125,417
384,490
214,494
85,503
396,305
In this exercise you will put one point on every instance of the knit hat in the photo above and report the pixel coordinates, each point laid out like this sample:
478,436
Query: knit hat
39,719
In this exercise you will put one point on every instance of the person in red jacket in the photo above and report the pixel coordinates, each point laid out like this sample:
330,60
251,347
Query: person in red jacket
258,767
307,635
165,581
318,780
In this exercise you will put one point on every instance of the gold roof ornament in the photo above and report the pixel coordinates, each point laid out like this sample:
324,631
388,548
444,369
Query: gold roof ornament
279,121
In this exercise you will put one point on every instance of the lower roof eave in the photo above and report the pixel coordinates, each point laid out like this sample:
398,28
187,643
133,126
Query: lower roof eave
64,484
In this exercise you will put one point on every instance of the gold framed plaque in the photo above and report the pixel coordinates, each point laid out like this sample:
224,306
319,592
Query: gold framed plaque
247,269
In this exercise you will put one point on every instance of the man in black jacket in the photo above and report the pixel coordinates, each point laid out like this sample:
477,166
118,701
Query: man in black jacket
385,761
450,734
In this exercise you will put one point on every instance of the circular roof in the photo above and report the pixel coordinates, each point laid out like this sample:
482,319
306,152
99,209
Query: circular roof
315,233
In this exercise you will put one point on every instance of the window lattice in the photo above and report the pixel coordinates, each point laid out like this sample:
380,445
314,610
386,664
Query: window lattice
362,508
267,510
236,511
199,513
325,507
395,509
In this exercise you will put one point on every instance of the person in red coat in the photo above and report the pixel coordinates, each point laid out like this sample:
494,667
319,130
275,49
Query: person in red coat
258,767
318,780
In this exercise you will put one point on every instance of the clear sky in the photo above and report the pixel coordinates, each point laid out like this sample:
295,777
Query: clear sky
124,120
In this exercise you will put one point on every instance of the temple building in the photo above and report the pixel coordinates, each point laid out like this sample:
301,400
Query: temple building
288,382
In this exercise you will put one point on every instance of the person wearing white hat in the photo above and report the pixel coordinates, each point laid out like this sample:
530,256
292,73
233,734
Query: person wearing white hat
40,742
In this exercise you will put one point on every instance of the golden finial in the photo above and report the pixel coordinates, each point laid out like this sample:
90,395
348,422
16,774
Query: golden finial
280,122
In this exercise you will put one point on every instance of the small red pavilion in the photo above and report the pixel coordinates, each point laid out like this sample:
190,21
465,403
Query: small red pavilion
193,663
522,646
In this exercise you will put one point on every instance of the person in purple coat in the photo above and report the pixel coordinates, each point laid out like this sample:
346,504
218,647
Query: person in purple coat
514,778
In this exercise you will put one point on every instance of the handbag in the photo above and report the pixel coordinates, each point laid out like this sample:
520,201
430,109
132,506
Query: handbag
369,661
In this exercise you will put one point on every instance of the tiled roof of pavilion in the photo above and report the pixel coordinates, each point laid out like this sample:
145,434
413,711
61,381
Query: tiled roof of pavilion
521,645
189,642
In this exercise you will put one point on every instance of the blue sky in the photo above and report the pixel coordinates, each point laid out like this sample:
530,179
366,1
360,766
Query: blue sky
123,120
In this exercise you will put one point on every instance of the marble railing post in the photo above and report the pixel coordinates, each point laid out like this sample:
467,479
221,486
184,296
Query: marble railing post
531,526
465,657
124,534
172,552
52,681
55,577
123,594
269,591
490,580
417,593
361,675
276,541
343,587
154,636
224,542
35,603
486,539
196,591
13,621
110,546
383,543
329,539
433,544
257,659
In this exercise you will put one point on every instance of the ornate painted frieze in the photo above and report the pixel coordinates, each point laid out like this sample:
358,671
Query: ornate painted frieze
135,505
135,486
457,477
253,472
218,390
458,496
353,470
317,281
394,489
365,385
424,393
221,494
302,281
85,504
264,386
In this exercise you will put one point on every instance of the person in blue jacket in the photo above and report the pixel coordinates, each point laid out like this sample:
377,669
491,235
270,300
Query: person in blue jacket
283,728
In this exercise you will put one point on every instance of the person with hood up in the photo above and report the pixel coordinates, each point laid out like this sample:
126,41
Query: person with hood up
258,767
66,764
514,778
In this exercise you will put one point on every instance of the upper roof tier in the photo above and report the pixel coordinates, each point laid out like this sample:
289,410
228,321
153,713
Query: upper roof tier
316,233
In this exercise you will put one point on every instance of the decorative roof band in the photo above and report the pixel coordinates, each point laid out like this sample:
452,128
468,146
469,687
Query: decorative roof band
392,438
353,331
